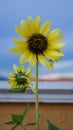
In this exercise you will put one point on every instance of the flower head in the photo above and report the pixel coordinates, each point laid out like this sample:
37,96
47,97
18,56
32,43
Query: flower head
39,42
21,78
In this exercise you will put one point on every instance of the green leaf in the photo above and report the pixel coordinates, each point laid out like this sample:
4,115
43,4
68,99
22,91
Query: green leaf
10,122
51,126
32,123
17,90
13,128
24,128
17,118
25,111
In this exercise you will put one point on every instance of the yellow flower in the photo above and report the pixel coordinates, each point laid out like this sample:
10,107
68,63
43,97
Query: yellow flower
21,78
39,42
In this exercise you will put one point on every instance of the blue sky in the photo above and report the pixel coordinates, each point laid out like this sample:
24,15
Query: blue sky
12,12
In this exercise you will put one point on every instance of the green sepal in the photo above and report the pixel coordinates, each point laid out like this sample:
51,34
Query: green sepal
51,126
32,88
18,90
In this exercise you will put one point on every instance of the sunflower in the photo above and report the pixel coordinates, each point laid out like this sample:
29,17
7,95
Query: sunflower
21,78
39,42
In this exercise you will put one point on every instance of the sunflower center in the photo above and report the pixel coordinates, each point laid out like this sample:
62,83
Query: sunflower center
20,78
37,43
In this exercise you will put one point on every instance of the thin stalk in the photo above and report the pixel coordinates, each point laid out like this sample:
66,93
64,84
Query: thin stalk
23,127
36,94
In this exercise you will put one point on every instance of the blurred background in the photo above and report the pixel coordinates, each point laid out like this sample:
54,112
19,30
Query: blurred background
61,15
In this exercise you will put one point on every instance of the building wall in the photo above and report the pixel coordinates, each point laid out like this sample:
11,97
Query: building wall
59,114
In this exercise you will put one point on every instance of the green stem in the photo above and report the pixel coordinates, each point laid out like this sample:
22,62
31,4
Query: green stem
23,126
37,103
41,116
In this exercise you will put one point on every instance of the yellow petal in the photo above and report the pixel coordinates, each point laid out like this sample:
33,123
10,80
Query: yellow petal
28,31
37,24
14,85
52,54
30,25
16,69
30,76
58,58
34,24
20,31
21,68
43,61
51,64
27,71
57,38
23,24
11,74
18,50
25,57
53,34
19,43
25,33
26,28
46,27
56,46
12,80
32,60
30,20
